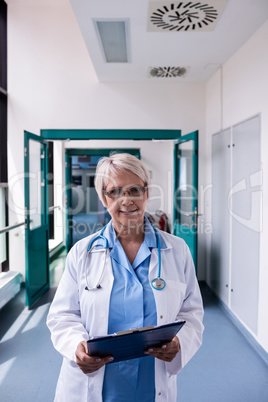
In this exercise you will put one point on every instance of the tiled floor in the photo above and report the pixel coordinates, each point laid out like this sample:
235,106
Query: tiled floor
226,368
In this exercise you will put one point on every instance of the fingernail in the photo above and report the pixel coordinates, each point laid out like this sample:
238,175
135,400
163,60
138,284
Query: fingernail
98,360
164,346
150,350
111,359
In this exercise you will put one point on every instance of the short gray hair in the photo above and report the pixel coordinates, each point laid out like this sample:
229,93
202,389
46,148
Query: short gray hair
118,162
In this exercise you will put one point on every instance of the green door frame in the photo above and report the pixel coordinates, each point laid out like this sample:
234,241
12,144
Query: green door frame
50,134
84,134
103,134
68,197
36,239
188,235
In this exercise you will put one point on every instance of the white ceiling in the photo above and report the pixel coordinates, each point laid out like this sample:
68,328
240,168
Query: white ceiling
203,51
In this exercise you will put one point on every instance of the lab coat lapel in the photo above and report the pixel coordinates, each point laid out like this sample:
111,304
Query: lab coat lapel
97,301
159,295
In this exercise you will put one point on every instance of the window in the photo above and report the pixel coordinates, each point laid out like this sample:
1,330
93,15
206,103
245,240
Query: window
3,135
3,236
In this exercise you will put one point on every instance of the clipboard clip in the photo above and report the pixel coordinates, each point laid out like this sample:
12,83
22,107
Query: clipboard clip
133,330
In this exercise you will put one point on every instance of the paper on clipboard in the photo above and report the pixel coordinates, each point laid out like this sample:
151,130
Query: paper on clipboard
131,344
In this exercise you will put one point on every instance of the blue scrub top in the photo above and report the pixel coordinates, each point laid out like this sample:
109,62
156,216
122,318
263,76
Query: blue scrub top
132,305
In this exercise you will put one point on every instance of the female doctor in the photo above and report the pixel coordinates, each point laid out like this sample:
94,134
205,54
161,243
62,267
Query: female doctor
112,283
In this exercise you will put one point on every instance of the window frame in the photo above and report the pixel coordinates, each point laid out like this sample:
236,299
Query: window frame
4,266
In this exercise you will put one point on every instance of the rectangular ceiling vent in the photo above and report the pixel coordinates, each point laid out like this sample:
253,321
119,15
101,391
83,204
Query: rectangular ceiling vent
179,16
113,37
168,72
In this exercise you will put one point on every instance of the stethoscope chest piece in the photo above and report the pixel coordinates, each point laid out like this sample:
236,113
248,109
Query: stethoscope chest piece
158,283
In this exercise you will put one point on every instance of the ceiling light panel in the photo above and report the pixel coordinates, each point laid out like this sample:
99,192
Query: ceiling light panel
113,37
175,16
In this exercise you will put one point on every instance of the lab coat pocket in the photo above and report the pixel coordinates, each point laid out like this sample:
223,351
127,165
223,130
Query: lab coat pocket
175,296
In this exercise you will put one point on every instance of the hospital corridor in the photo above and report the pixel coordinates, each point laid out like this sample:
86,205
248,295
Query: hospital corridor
133,201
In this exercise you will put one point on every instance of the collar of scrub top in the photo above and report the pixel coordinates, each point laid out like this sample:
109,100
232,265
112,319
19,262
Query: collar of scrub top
107,239
150,239
151,236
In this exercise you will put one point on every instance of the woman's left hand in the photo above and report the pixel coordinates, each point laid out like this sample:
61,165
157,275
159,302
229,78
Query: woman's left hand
166,352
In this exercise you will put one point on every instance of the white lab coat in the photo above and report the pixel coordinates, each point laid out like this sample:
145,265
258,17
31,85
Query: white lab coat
77,314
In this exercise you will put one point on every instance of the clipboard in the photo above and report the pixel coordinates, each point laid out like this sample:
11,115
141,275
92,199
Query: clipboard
131,344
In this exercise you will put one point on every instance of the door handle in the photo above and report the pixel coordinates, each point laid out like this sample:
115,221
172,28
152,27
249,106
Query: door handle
196,215
187,214
193,215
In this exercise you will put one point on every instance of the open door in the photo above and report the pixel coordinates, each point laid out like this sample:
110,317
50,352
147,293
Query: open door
36,211
186,190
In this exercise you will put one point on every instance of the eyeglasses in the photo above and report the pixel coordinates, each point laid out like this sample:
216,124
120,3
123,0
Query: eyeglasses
118,192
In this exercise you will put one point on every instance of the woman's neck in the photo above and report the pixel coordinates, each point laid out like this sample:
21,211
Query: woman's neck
130,240
130,234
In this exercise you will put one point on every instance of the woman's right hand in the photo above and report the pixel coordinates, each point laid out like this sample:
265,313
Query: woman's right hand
89,364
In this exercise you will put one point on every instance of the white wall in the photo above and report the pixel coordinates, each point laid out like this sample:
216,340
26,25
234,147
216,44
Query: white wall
239,93
52,84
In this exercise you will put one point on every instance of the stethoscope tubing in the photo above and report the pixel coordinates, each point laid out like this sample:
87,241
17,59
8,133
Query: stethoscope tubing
157,283
162,283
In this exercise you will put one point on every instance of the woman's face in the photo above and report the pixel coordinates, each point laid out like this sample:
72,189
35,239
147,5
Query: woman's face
126,211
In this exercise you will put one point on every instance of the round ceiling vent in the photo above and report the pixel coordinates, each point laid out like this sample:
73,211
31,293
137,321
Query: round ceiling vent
167,72
184,15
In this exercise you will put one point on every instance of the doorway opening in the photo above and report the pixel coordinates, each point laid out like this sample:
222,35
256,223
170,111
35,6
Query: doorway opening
157,157
85,212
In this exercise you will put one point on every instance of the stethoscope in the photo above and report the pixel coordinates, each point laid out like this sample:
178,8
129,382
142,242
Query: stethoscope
157,283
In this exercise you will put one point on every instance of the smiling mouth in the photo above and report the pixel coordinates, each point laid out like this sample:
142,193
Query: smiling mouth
128,212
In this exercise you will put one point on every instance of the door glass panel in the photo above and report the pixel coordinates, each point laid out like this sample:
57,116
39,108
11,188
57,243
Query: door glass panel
3,255
186,191
34,183
78,199
92,196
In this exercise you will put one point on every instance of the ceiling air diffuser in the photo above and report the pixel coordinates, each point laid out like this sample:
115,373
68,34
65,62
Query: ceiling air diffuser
178,16
167,72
